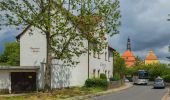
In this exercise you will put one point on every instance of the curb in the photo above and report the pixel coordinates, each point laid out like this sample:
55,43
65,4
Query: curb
126,86
167,95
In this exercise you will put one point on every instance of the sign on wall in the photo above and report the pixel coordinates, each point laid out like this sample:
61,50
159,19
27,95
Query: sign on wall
35,50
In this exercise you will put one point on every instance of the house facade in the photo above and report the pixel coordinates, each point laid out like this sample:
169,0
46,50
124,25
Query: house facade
33,53
33,49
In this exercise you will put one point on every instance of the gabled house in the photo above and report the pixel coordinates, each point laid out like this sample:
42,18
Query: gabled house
33,53
33,59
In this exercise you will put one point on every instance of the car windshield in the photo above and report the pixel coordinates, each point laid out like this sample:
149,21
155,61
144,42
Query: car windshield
158,80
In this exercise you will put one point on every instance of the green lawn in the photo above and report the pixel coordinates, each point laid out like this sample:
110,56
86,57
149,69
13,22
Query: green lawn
58,94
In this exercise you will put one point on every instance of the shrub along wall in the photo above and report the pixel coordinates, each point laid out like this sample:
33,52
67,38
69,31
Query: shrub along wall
98,82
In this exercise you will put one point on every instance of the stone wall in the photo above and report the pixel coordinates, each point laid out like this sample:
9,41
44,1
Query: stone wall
115,84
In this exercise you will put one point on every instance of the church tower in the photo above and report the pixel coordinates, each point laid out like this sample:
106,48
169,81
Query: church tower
128,55
128,44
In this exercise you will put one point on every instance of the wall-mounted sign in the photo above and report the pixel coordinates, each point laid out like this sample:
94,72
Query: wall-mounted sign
35,50
102,64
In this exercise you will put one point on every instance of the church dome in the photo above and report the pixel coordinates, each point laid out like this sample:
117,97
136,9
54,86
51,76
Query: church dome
151,56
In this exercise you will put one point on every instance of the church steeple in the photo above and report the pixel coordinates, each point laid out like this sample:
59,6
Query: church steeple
128,44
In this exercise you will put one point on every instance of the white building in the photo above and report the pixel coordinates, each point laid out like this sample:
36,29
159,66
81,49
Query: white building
33,54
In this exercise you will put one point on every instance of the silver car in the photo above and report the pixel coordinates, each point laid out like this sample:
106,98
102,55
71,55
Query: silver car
159,83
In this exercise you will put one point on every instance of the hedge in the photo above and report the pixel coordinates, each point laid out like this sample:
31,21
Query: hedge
166,78
97,82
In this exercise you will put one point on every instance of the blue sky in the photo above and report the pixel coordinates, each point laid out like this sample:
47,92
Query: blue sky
144,21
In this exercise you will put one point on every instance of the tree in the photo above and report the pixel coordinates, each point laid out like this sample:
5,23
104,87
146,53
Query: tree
11,54
138,61
53,19
119,66
154,70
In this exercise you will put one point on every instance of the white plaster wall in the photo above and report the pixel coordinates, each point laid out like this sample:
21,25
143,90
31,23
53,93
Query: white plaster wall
101,63
28,43
5,80
66,76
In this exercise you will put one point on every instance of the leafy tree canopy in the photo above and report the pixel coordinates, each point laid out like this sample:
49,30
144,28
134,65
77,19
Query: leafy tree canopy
119,66
11,54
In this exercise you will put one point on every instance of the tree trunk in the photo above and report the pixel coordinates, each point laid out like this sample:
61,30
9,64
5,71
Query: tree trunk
47,86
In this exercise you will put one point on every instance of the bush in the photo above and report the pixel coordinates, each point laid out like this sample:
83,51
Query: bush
115,78
166,78
103,76
96,82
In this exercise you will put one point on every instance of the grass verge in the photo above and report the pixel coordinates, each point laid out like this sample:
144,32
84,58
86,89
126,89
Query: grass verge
57,94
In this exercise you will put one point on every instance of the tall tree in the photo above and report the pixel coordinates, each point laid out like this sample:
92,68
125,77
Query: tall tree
11,54
53,18
119,66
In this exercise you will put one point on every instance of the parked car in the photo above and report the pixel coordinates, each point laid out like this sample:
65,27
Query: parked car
126,80
159,83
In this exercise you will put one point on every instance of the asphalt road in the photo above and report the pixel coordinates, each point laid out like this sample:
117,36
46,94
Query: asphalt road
139,92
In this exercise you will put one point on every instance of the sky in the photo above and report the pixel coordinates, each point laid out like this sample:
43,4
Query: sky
144,21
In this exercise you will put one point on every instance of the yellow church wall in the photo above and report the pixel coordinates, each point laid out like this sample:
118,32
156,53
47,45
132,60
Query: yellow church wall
151,61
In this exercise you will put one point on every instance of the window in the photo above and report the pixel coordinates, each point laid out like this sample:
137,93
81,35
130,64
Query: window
98,54
108,74
105,72
99,73
94,53
105,56
94,72
109,56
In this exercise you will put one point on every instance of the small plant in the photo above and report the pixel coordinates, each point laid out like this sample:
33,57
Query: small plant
103,76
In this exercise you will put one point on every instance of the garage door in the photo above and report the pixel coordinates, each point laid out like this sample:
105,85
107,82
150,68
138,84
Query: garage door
23,82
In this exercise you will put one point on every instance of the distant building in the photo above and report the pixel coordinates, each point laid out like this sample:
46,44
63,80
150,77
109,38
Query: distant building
151,58
128,56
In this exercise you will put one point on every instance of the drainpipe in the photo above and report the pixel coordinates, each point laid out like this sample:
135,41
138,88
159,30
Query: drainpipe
88,58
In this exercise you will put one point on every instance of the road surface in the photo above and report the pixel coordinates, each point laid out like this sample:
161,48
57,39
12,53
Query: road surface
138,92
